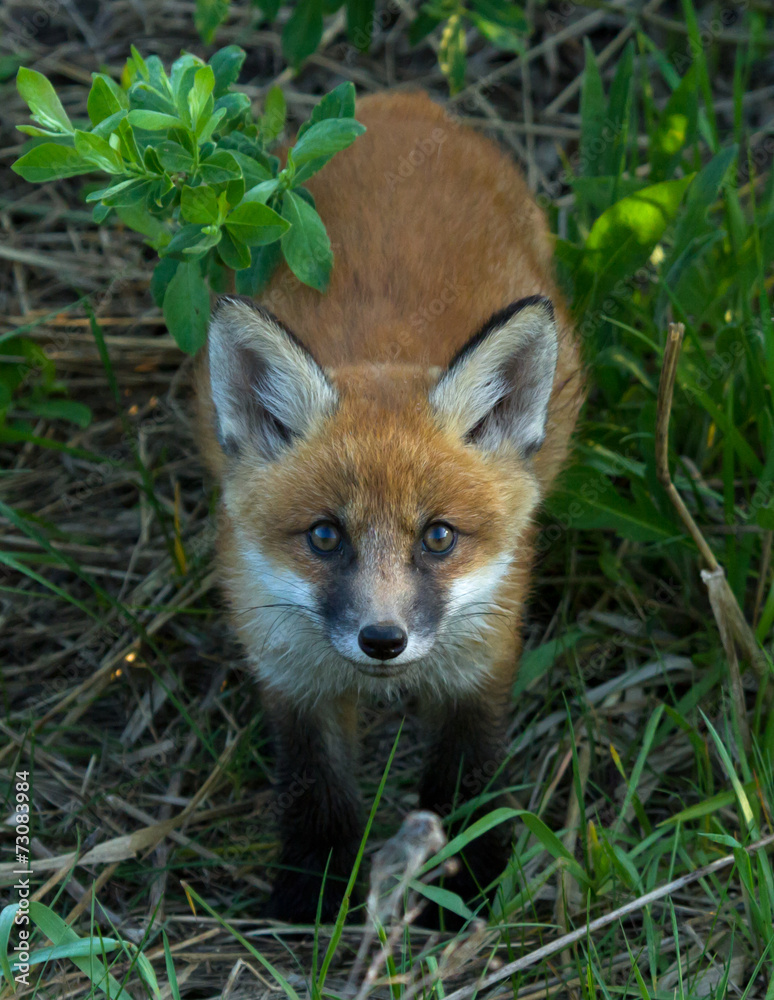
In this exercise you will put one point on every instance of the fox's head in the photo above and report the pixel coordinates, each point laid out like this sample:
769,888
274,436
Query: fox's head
375,512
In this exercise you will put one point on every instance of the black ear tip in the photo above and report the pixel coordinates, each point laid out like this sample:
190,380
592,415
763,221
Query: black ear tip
533,300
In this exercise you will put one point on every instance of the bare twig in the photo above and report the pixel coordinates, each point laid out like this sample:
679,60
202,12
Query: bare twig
729,617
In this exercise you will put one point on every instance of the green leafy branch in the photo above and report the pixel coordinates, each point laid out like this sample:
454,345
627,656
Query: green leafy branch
191,170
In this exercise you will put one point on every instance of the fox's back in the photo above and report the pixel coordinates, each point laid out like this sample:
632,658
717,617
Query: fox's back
433,230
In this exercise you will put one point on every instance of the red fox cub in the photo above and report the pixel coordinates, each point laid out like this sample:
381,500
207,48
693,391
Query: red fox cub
381,450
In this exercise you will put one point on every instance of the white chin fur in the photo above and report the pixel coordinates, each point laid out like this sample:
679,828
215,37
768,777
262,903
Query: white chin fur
291,651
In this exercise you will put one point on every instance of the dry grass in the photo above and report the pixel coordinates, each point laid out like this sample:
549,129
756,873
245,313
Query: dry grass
122,687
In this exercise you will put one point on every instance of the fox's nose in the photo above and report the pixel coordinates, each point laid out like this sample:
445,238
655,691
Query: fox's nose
382,641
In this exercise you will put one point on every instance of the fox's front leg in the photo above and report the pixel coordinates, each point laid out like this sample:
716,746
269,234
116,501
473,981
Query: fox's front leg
466,759
319,808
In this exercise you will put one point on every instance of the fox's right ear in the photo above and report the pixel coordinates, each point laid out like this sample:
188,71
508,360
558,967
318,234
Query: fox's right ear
497,388
266,387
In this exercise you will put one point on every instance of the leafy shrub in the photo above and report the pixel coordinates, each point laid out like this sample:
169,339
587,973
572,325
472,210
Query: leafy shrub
190,169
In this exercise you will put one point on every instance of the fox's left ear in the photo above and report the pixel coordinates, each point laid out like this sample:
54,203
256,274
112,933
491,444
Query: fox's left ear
497,387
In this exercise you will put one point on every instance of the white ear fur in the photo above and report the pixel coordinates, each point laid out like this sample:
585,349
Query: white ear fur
266,387
498,386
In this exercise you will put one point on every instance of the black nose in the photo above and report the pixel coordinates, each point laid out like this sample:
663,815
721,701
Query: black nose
382,641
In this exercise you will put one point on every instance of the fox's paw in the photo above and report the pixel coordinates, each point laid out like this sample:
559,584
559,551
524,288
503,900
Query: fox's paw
295,899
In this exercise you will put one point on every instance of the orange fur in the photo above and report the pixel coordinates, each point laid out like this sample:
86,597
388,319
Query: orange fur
462,232
434,231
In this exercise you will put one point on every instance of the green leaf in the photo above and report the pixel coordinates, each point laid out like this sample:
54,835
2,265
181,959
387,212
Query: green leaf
112,190
99,152
40,132
226,65
338,103
208,17
423,24
174,158
199,204
700,198
676,127
129,148
599,193
42,101
174,986
360,22
548,839
143,97
111,124
233,107
138,218
503,12
59,409
707,807
593,112
586,499
274,112
153,121
124,194
325,138
181,78
623,237
303,31
535,663
443,897
469,834
616,130
253,172
255,224
163,273
764,518
92,964
136,67
200,100
50,161
305,245
7,918
219,168
452,53
104,99
187,307
263,191
270,8
233,253
191,237
505,39
264,260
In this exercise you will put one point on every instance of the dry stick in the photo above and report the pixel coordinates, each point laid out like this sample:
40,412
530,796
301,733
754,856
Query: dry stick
728,615
582,932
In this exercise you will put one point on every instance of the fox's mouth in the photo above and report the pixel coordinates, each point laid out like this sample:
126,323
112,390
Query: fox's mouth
383,673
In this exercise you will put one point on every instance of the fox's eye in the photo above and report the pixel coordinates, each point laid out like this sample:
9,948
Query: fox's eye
324,537
439,538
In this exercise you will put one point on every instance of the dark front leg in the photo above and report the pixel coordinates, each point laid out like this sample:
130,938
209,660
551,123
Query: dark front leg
466,755
319,810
